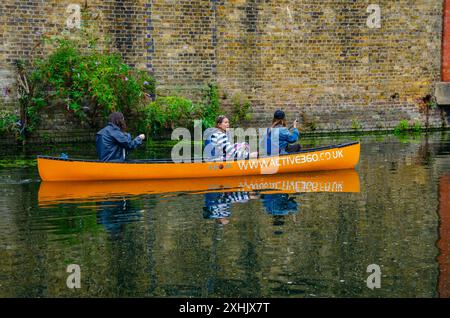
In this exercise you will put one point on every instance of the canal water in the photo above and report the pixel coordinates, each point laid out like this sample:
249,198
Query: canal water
300,235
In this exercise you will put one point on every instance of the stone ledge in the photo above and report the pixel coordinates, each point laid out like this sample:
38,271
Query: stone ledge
442,93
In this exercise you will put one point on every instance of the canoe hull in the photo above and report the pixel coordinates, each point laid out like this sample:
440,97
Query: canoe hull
336,158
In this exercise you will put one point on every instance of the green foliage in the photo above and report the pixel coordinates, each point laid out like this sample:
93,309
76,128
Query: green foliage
432,103
211,106
89,83
356,125
175,111
18,163
401,127
416,127
404,126
168,112
9,123
241,109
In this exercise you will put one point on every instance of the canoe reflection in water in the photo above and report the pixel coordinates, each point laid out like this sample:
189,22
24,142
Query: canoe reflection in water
114,199
279,205
218,205
114,215
82,191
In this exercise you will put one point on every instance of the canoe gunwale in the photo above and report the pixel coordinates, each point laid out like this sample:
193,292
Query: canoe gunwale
169,161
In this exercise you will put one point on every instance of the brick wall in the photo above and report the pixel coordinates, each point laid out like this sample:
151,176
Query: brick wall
183,55
318,60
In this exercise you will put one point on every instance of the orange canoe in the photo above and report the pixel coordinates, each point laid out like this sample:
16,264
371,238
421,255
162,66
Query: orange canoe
321,181
344,156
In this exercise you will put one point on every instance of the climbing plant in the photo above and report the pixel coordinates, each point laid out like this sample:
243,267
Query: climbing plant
86,81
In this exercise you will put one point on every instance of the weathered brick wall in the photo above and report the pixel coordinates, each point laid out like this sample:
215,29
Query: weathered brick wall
183,52
123,24
318,60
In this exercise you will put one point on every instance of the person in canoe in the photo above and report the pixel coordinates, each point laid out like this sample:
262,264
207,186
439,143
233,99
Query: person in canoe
278,139
112,142
218,145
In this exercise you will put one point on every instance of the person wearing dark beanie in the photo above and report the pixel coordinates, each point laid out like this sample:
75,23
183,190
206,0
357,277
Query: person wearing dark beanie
278,138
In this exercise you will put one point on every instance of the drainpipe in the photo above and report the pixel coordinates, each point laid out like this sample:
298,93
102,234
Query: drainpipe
445,68
442,90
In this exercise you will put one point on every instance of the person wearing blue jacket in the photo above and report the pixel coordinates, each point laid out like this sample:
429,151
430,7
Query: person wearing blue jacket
112,142
278,138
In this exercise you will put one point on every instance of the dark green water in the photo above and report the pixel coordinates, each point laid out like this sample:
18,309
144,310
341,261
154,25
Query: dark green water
309,245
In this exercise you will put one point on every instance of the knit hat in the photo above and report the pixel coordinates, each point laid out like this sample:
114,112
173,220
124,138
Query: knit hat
279,114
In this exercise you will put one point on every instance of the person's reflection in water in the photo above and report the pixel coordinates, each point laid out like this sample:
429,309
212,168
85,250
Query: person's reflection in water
218,205
113,215
279,205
